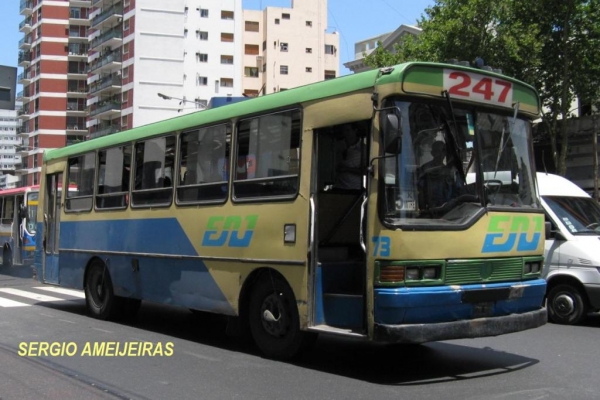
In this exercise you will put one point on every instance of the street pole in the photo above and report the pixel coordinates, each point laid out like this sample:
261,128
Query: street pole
595,149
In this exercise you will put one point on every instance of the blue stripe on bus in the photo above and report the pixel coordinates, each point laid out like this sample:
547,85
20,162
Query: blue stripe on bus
174,281
417,305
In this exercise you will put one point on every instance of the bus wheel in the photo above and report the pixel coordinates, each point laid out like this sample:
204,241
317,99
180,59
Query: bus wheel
99,295
7,257
274,322
566,305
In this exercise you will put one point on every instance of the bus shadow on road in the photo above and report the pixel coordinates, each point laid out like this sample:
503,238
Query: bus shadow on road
411,365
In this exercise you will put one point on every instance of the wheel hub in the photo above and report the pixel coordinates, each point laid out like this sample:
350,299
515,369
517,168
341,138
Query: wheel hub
273,315
564,305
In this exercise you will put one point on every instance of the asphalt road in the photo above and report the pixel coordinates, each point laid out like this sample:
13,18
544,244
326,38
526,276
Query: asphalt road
551,362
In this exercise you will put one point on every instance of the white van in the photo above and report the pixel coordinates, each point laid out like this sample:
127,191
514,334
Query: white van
572,251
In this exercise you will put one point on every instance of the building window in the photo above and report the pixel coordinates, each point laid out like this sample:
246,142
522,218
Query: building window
126,72
126,48
276,21
124,121
283,69
308,23
329,49
251,26
283,46
251,49
203,13
226,59
329,75
125,97
251,72
126,25
200,35
308,69
226,14
201,57
308,50
285,16
227,37
226,82
201,81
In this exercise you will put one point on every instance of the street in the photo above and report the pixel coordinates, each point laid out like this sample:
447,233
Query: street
551,362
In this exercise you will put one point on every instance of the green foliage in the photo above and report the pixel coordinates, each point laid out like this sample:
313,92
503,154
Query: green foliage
553,45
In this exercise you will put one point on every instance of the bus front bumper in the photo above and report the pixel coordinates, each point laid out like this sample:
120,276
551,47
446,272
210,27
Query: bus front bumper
472,328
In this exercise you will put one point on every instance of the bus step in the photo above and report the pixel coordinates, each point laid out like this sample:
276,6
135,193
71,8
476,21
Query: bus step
343,310
337,331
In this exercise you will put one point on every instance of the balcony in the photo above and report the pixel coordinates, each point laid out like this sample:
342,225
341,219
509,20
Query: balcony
25,43
23,113
107,63
108,18
78,52
76,17
75,90
23,96
108,39
76,36
77,73
26,7
24,58
25,25
75,109
80,3
104,131
106,109
24,78
108,84
76,128
97,3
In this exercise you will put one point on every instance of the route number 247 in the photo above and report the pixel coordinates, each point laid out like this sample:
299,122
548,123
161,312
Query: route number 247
478,87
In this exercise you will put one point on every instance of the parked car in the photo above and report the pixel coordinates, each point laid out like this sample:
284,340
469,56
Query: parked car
572,250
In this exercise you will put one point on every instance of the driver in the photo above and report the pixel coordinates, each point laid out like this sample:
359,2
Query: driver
436,179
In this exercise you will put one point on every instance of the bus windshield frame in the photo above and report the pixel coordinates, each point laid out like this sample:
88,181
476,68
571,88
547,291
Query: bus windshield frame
455,162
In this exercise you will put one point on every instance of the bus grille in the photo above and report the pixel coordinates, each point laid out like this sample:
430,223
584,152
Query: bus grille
462,272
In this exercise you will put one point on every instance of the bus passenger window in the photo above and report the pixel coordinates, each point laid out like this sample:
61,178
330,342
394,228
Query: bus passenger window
204,156
81,174
268,154
114,167
154,165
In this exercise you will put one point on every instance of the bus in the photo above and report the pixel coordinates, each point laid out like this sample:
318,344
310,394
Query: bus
241,210
18,223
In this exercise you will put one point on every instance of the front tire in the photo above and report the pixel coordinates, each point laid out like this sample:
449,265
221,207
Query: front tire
566,305
99,295
274,321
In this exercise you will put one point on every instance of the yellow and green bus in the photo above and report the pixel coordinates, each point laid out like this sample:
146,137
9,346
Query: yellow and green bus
397,205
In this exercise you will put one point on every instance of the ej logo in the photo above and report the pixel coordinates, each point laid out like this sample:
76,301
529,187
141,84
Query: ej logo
228,230
506,232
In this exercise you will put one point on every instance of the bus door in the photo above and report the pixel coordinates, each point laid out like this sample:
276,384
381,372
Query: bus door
338,198
17,230
51,227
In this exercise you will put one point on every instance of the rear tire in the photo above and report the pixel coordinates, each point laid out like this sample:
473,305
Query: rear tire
274,321
566,305
99,296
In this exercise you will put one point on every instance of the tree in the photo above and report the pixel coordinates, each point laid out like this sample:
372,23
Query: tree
553,45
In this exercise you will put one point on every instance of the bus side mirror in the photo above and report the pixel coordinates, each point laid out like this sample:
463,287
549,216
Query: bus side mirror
392,133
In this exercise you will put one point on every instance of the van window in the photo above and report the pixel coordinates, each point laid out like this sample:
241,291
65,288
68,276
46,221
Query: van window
580,215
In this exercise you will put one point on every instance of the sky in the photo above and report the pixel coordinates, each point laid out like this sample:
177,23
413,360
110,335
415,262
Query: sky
354,20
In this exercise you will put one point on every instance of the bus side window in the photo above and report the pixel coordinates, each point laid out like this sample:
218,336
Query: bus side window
154,165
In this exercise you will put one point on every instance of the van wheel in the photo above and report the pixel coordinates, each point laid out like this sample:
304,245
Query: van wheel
99,295
566,305
274,321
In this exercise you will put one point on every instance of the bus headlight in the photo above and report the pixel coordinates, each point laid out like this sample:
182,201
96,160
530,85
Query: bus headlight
431,272
412,274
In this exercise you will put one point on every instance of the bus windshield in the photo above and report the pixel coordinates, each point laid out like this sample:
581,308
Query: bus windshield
32,201
452,163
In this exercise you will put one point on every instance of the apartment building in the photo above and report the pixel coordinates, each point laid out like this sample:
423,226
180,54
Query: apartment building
288,47
96,67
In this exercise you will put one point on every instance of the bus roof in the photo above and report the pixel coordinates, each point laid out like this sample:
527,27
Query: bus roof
427,74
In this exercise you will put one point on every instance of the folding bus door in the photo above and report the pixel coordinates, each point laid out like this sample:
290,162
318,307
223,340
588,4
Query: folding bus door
51,227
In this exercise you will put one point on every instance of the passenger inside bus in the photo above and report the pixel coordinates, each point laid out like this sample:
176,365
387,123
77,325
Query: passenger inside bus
350,159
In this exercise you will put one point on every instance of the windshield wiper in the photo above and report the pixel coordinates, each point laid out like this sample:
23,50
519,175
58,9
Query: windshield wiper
457,157
503,144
